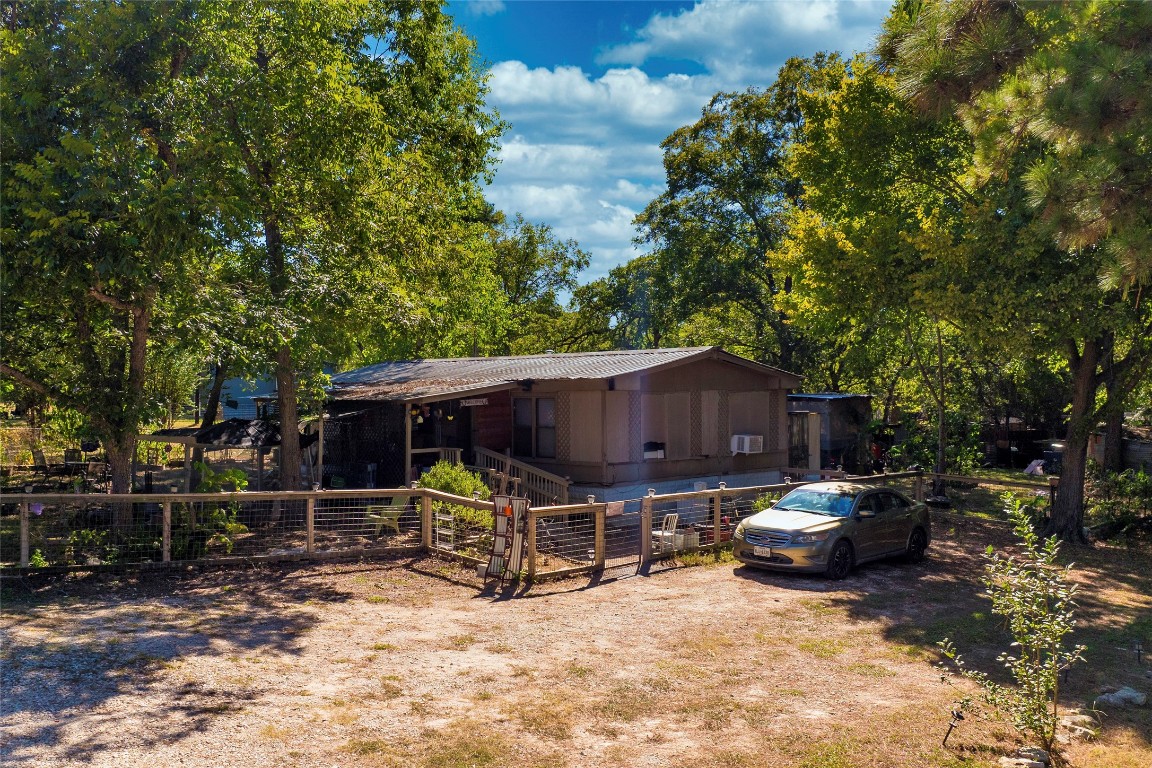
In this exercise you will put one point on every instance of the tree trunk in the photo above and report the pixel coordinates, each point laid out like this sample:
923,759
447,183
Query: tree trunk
1113,459
1067,520
941,426
289,420
120,452
209,418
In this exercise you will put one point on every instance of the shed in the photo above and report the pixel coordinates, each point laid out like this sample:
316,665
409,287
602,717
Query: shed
844,440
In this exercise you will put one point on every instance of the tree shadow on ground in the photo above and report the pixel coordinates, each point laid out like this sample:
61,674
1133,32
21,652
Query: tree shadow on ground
73,645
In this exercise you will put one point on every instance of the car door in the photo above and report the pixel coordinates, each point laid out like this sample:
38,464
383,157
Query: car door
870,539
896,517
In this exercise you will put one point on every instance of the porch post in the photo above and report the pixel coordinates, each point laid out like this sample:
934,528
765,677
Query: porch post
407,445
187,468
320,449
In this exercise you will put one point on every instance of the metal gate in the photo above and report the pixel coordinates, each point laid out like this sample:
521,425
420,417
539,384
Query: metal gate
622,539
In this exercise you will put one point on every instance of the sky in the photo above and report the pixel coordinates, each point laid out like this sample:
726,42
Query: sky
590,88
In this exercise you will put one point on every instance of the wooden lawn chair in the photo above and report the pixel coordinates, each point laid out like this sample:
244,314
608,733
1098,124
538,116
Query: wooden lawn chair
385,515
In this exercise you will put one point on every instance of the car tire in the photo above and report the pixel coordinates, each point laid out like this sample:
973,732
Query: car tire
839,561
917,544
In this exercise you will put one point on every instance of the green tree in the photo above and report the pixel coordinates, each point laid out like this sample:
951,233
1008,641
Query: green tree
348,140
102,225
880,210
534,269
630,308
1055,98
729,190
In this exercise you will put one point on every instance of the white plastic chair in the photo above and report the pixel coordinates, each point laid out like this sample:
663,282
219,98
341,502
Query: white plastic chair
664,540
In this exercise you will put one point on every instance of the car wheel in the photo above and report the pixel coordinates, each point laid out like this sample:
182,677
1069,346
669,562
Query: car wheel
917,543
840,561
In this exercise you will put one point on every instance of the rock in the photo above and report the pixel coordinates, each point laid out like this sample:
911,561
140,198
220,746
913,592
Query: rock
1081,732
1019,762
1125,697
1078,719
1034,753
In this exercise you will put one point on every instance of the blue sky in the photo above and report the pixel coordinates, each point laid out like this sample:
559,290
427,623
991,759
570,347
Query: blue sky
591,88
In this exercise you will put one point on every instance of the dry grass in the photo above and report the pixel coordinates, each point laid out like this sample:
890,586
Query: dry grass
712,666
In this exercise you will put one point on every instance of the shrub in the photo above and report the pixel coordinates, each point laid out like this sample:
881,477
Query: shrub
1116,501
457,480
1035,596
454,479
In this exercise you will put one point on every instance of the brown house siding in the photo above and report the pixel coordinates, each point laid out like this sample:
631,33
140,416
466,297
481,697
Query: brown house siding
492,423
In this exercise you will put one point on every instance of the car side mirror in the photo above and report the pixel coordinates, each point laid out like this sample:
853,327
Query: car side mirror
866,513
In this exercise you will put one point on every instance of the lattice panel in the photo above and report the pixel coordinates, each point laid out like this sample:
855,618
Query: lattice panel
635,441
564,426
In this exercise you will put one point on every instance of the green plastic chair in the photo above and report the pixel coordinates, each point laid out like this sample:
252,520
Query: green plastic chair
384,516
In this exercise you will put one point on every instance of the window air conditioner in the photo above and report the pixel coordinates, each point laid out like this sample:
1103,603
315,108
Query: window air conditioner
747,443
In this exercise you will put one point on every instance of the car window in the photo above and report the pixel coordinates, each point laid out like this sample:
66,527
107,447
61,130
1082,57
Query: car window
820,502
891,501
871,502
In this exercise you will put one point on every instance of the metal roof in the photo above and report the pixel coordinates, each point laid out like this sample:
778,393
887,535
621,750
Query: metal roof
230,433
409,380
824,396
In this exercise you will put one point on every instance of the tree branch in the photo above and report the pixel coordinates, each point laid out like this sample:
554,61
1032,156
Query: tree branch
24,379
120,304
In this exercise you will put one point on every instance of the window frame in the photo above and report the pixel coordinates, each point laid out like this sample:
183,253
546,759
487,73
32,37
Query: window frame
536,427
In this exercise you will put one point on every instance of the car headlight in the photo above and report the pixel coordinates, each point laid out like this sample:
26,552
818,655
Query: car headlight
739,532
811,538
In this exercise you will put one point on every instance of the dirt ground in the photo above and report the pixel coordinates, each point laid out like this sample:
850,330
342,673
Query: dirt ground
413,663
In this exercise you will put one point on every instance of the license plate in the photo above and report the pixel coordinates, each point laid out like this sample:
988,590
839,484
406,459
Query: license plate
762,551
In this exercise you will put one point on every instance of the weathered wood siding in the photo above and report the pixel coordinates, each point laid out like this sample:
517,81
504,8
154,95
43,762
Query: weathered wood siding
492,423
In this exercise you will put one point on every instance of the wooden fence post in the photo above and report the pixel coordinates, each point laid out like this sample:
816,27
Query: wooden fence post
920,486
310,525
646,527
425,520
531,522
25,554
600,515
166,534
717,506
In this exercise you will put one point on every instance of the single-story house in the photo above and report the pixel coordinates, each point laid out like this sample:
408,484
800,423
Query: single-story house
564,423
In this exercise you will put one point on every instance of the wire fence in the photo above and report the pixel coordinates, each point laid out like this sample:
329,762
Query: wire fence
84,531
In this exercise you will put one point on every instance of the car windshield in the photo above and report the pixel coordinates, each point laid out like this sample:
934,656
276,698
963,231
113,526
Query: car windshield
818,502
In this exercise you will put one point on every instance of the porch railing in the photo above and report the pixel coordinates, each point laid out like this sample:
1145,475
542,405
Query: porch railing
542,488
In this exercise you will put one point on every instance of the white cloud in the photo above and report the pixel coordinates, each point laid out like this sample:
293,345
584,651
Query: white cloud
582,153
484,7
565,101
745,41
